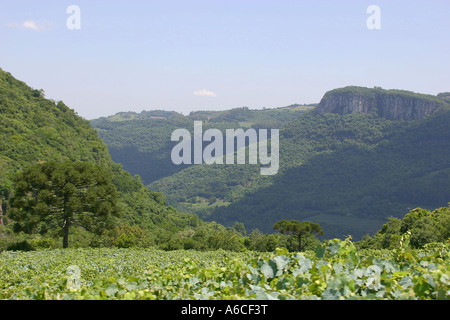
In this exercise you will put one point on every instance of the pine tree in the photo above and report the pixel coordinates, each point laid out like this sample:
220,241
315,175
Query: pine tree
59,195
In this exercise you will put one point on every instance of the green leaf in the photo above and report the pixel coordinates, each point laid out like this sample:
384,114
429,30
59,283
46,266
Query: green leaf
267,270
112,290
281,262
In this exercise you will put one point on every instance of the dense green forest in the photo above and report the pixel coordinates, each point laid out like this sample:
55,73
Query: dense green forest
351,173
141,141
35,130
350,183
348,172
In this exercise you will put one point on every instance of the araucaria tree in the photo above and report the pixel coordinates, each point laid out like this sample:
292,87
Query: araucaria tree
304,231
59,195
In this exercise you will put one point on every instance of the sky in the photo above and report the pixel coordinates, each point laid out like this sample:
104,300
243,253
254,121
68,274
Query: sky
192,55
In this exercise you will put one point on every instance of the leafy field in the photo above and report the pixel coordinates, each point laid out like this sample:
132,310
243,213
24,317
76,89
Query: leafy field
336,270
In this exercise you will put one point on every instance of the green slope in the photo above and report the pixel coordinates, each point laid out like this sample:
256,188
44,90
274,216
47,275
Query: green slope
352,188
141,141
348,172
34,129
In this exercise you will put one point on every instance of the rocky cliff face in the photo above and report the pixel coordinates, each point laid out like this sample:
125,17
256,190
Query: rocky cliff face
389,104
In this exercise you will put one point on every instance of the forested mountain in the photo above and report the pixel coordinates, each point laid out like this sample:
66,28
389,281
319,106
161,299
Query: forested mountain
35,130
348,165
141,141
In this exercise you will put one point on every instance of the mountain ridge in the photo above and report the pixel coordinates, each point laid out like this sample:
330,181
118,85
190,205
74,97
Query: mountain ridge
389,104
142,141
319,152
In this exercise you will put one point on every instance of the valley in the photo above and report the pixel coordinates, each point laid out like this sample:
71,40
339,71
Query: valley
211,157
346,163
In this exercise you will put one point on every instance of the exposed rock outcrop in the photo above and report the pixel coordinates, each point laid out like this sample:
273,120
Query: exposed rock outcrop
389,104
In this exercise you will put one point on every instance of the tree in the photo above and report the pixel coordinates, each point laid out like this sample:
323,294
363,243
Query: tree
240,228
304,231
424,231
59,195
412,217
441,216
389,235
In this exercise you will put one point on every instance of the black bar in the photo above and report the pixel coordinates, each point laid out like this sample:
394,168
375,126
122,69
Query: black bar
220,309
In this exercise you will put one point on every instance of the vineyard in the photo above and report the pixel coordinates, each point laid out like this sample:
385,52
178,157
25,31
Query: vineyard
335,270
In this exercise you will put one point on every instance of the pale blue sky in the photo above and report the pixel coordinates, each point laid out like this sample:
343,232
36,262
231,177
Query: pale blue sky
145,55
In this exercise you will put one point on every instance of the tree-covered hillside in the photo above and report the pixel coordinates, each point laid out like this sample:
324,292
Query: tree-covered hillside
141,141
350,187
35,130
348,172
